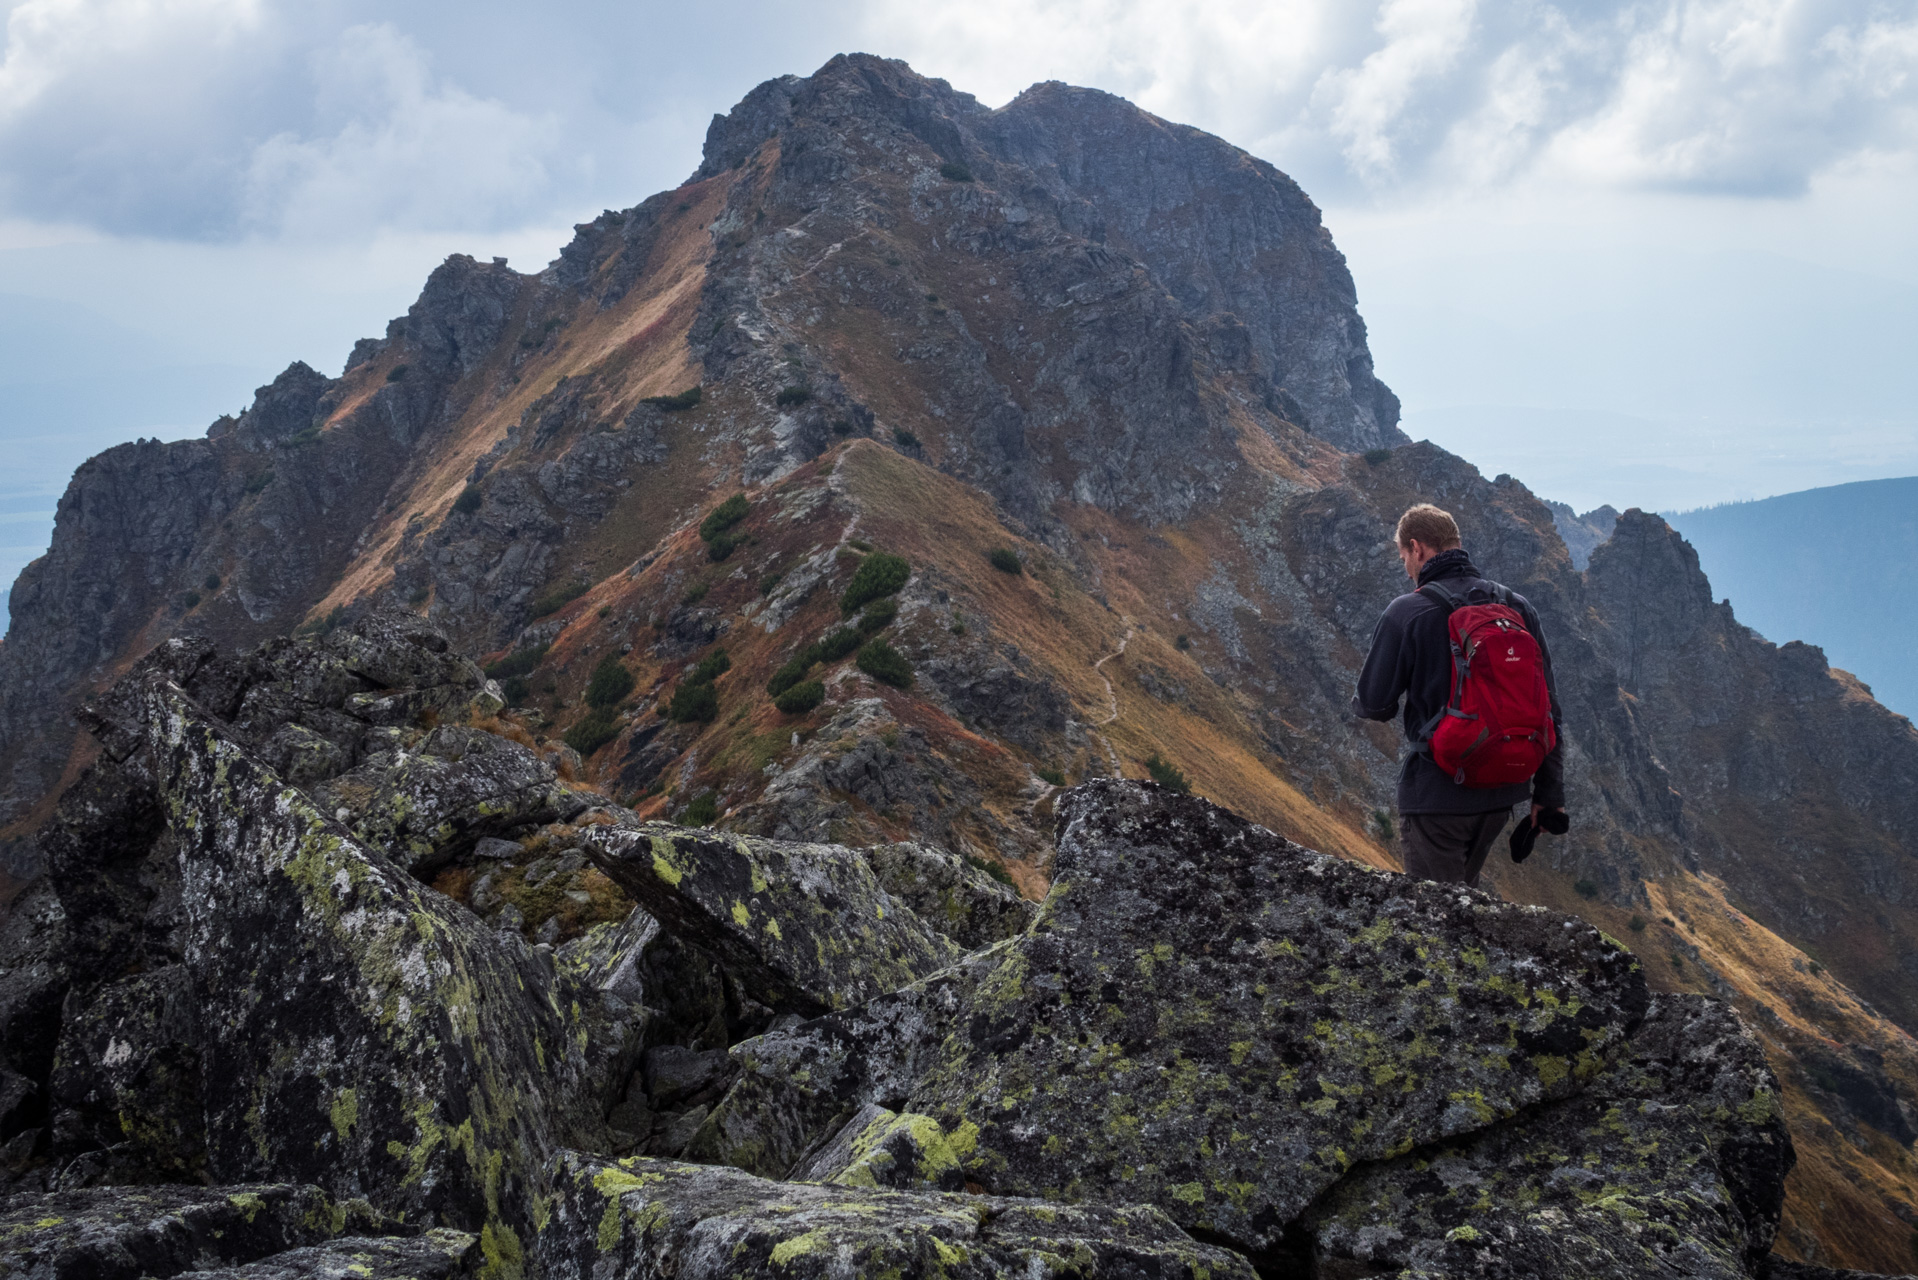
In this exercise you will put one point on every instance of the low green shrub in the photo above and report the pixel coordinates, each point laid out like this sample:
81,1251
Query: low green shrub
1377,456
311,435
1637,924
795,668
1053,776
259,482
191,599
211,582
397,373
1383,824
770,580
1006,560
879,574
711,667
419,595
556,599
1183,643
992,869
702,812
878,616
609,685
1167,774
839,642
722,545
723,517
687,399
595,731
953,171
904,438
1586,889
517,663
885,664
801,698
469,500
693,702
798,393
515,690
695,593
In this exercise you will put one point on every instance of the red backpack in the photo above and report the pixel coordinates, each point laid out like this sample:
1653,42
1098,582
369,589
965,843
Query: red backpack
1496,729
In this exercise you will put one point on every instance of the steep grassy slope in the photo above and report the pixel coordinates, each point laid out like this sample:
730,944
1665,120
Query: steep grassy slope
924,329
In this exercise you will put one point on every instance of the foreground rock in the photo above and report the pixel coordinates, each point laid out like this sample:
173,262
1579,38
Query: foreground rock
1208,1018
805,927
657,1218
358,1030
439,1254
126,1233
1672,1163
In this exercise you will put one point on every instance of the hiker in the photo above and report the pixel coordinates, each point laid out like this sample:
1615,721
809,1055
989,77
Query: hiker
1479,746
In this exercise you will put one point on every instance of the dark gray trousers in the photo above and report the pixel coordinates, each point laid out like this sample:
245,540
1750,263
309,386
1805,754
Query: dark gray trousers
1449,846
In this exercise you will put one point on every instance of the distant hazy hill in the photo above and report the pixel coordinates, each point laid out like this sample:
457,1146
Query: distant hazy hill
1834,567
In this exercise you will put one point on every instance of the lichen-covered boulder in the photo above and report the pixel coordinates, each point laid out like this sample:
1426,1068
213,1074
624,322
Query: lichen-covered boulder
1672,1162
1209,1018
358,1030
803,927
950,894
128,1075
646,1218
428,806
131,1233
881,1148
438,1254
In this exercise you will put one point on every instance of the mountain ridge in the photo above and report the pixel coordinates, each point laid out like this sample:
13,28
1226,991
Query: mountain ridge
1199,497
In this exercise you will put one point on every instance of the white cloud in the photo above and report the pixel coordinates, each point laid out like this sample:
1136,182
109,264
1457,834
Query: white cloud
1750,96
399,150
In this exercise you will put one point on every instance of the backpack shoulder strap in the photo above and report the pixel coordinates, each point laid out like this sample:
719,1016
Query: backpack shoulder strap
1446,599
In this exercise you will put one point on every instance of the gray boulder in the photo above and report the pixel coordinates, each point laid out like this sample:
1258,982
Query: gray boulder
645,1218
131,1233
950,894
803,927
358,1030
439,1254
429,806
1208,1018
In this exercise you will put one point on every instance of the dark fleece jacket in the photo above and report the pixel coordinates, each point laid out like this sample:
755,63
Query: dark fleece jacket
1411,658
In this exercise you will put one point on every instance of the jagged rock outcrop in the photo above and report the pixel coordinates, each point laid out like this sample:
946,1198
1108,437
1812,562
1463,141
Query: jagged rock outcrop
1200,1019
1768,738
1210,1049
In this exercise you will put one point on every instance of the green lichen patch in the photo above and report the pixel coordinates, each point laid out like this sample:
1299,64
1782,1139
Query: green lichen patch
1651,1171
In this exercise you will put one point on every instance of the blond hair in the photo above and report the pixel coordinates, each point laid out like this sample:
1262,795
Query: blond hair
1426,523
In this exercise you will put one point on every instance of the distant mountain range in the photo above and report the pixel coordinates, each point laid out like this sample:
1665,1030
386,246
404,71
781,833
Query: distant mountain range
1834,567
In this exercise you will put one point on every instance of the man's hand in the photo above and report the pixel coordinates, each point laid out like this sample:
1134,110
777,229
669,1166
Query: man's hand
1558,827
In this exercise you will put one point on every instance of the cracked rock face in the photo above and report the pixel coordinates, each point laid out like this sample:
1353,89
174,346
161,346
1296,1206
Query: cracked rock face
659,1218
806,927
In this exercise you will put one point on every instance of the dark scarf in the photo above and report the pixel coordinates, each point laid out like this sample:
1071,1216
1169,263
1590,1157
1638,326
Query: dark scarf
1448,564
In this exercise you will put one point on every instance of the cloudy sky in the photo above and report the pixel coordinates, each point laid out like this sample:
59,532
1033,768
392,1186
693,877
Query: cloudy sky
1654,253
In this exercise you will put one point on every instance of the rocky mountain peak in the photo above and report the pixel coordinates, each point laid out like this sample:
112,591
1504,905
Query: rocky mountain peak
915,473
